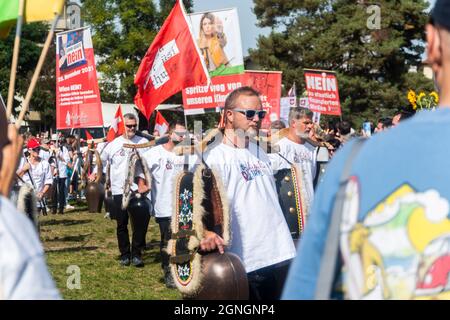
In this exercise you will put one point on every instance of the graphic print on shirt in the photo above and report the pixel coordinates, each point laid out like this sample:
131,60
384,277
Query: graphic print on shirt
302,156
401,249
251,171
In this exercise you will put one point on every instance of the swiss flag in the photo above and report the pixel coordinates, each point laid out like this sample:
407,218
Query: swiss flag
161,124
117,126
172,63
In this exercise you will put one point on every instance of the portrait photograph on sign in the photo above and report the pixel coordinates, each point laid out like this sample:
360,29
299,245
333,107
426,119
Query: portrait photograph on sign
219,40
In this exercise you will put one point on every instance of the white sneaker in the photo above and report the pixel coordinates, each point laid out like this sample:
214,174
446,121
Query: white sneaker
69,207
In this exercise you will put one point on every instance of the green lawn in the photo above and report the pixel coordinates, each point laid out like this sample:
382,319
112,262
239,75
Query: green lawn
88,241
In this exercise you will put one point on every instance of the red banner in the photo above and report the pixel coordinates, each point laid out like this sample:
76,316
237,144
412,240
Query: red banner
78,103
267,83
323,93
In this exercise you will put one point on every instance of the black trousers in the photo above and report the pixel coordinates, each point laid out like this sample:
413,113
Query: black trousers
59,195
267,283
164,230
139,226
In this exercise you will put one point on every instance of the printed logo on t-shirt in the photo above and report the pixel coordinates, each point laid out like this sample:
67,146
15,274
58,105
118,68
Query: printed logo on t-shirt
401,248
174,164
251,171
169,164
302,156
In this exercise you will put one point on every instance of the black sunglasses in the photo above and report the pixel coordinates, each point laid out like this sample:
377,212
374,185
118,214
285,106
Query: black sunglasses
180,133
250,114
131,125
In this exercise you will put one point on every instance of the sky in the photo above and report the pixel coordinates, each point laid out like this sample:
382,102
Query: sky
247,19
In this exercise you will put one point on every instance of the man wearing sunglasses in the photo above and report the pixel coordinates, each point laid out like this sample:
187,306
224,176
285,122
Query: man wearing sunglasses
259,233
165,165
23,270
118,157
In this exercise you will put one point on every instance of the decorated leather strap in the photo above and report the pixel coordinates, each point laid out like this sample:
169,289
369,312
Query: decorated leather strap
200,204
292,199
299,201
181,256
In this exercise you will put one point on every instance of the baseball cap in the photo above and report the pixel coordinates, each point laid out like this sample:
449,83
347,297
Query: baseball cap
441,13
33,143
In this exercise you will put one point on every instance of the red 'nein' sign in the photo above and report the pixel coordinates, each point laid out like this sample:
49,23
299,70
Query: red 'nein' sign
323,93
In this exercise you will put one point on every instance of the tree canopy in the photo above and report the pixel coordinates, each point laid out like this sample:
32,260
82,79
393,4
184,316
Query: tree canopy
43,100
372,62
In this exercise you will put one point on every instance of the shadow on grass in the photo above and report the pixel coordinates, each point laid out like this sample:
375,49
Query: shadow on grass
151,257
65,222
151,245
81,237
72,249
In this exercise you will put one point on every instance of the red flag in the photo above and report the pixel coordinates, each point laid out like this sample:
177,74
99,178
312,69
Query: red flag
172,63
117,126
88,135
161,124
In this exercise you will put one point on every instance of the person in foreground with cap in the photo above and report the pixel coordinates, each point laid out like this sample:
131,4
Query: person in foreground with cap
36,172
385,234
23,271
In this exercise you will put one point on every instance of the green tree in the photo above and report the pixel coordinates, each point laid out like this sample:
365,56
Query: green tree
43,99
372,63
122,32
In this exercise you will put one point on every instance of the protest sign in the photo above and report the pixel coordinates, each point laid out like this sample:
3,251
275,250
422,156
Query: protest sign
78,103
323,93
267,83
219,40
286,103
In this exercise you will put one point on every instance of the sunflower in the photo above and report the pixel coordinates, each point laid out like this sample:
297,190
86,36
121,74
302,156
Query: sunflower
412,97
435,96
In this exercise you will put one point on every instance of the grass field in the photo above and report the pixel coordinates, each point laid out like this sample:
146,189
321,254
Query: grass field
88,240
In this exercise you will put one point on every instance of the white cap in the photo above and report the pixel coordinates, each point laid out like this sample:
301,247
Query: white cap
54,137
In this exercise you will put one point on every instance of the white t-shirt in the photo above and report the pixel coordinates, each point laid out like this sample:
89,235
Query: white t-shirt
40,172
23,271
303,156
165,166
118,157
44,154
62,159
260,235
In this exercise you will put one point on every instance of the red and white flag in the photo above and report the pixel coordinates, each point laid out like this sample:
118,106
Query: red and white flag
88,135
173,62
117,126
161,124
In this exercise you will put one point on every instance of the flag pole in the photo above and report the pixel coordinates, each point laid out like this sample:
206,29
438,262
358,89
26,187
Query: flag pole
37,71
185,120
15,60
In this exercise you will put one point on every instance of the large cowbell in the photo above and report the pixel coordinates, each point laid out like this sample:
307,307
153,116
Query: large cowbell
289,195
95,191
200,204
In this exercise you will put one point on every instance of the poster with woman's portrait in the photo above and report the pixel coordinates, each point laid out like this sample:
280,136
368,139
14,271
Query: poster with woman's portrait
219,39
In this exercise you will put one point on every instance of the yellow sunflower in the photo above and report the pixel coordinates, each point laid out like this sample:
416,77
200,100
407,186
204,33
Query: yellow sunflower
435,96
412,97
